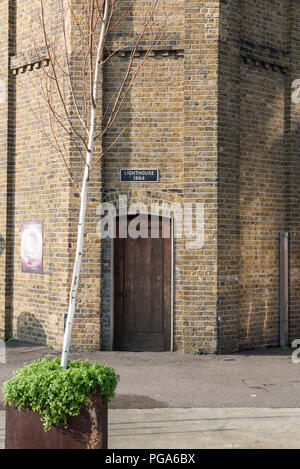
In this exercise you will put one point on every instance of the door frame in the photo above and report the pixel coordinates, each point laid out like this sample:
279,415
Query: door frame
112,280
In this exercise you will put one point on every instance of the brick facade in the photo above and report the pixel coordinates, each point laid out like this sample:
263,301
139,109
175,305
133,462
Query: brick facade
217,121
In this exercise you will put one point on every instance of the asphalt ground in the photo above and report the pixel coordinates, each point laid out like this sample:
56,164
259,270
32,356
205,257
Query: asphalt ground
262,378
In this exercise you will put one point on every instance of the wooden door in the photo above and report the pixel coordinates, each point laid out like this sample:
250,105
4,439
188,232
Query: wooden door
142,291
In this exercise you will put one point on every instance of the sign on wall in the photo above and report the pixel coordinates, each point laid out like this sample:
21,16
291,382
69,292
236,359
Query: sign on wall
32,247
139,175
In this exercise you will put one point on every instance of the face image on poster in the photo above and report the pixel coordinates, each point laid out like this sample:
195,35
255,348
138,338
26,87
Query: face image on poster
32,247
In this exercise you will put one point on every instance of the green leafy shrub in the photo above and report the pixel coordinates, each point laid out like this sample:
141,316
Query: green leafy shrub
197,352
44,387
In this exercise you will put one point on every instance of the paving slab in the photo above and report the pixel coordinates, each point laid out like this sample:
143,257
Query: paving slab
243,428
215,428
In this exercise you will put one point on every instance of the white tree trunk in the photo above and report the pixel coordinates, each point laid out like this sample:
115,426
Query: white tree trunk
84,192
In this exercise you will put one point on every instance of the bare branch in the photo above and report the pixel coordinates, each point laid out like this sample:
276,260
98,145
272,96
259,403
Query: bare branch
84,123
114,142
56,81
122,18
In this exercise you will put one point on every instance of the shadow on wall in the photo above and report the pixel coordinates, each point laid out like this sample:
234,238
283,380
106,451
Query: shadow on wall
30,329
262,296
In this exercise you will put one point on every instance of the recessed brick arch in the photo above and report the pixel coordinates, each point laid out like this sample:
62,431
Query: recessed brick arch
148,198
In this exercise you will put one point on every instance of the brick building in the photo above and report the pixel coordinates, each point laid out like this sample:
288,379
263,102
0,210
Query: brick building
220,125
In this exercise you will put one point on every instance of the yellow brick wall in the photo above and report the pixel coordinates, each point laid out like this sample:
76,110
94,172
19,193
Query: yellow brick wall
261,199
218,122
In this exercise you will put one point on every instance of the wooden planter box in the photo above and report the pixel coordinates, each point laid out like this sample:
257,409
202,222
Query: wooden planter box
24,430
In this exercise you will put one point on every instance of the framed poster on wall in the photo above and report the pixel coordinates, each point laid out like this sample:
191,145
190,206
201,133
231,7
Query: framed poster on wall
32,247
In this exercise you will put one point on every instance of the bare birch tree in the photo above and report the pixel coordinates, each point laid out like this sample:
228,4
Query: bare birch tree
75,115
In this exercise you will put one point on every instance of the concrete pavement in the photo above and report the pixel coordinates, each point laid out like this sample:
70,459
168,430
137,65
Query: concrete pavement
215,428
244,428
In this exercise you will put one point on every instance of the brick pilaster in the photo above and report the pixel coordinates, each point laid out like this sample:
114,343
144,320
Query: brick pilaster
7,151
228,170
199,280
292,163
